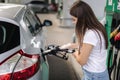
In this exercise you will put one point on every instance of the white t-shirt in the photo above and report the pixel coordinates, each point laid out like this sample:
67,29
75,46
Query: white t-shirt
97,59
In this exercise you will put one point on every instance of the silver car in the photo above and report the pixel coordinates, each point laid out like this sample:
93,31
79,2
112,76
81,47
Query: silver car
21,37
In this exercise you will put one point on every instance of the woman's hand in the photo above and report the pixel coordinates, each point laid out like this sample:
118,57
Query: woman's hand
69,46
76,54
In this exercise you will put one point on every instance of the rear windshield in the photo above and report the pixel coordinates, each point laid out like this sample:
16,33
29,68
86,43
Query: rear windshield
9,36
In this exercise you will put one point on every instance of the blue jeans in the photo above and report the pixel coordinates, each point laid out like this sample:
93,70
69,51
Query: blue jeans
95,76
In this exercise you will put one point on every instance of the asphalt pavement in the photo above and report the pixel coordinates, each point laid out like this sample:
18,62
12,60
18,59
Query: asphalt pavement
60,69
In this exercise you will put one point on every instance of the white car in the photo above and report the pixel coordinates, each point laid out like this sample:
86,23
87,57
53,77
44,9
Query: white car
21,37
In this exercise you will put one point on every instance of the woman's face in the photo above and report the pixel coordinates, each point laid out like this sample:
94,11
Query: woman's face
74,19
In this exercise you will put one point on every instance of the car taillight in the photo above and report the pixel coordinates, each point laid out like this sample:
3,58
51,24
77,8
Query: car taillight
26,67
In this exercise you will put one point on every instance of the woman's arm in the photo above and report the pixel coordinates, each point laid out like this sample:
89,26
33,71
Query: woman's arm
85,51
70,46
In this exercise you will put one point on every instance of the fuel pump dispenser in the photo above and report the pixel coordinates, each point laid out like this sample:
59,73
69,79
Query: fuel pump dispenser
112,29
112,15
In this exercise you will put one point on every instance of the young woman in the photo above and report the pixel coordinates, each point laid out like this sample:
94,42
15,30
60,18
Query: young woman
92,42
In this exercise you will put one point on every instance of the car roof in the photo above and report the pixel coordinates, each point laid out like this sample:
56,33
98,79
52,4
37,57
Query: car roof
10,10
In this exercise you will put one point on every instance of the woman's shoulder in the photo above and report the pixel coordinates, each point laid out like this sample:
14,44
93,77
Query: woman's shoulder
90,31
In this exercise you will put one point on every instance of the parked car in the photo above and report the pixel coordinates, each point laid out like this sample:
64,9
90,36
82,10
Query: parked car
53,7
38,6
21,38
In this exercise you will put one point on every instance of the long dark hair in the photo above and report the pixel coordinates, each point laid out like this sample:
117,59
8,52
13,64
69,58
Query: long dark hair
86,19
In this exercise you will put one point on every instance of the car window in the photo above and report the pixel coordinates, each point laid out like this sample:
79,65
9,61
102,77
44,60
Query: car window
2,34
9,36
32,22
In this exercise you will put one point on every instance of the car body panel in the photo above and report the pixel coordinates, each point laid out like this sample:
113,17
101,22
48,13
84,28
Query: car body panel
9,11
29,43
8,53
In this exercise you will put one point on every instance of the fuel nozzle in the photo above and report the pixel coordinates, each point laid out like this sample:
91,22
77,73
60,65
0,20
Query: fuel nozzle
117,41
117,37
113,34
56,51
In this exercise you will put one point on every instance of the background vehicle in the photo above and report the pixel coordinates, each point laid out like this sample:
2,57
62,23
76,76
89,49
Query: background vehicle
21,37
53,7
38,6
